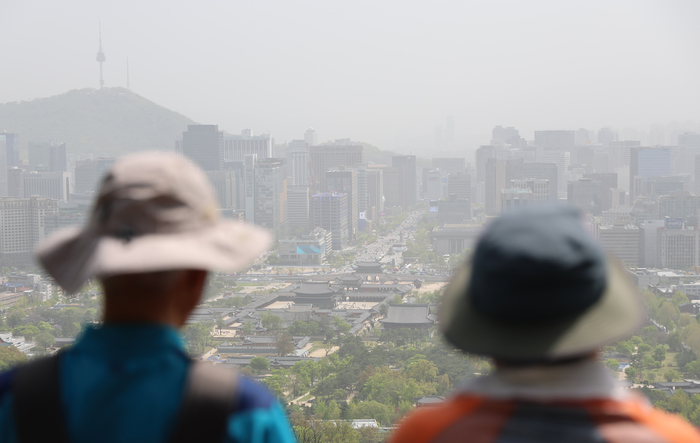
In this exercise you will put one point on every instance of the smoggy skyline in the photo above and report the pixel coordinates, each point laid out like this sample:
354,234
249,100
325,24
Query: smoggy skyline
386,73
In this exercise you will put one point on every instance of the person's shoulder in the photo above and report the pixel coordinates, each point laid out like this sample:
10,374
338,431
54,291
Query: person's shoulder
251,395
670,426
423,424
6,379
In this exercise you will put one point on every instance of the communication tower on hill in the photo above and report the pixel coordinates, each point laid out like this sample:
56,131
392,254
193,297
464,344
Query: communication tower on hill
101,58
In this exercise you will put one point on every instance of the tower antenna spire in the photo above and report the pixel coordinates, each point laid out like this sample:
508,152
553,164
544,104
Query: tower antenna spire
101,57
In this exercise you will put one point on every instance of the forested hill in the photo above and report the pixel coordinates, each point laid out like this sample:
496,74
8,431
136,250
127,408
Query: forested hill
108,122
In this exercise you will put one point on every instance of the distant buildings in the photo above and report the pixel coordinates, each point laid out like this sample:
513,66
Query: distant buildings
325,157
236,147
329,211
306,250
407,165
47,156
22,226
88,173
204,144
344,181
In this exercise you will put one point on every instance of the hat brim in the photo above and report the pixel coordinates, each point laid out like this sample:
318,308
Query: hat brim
73,256
618,312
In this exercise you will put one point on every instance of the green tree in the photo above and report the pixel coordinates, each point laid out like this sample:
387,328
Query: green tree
671,375
44,339
625,349
397,299
10,357
220,324
26,331
612,364
422,371
371,409
247,327
259,364
383,310
284,345
660,354
14,317
370,434
271,322
668,313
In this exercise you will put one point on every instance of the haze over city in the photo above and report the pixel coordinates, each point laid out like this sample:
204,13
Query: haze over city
385,73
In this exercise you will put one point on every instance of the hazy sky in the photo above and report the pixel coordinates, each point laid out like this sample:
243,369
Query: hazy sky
385,72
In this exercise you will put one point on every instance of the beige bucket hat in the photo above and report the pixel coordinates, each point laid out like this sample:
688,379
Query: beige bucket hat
154,212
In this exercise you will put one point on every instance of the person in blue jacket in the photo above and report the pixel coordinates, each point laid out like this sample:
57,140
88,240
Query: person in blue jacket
154,234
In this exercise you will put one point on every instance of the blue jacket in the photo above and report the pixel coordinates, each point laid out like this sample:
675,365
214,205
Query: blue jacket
124,384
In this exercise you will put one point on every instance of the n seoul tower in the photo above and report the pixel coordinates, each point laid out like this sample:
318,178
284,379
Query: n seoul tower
101,58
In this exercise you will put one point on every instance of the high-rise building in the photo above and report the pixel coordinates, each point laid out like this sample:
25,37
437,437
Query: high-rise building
605,136
562,159
619,153
645,165
329,211
679,248
249,171
459,185
22,227
298,161
14,182
648,255
236,147
586,194
47,157
538,186
450,165
375,193
204,144
512,198
89,173
410,192
270,195
224,184
621,240
453,211
679,205
507,136
483,153
53,185
499,174
362,196
393,187
434,185
559,140
310,137
608,182
344,181
11,142
325,157
298,209
545,171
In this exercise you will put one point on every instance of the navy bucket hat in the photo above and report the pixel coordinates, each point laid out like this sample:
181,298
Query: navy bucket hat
538,287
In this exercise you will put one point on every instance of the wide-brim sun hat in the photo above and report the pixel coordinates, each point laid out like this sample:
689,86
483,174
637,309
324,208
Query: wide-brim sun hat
538,288
154,212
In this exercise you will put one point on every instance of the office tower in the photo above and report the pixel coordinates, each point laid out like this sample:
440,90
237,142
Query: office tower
499,174
605,136
680,205
697,174
14,182
22,227
648,255
204,144
434,184
375,193
646,164
562,159
450,165
460,186
453,211
239,168
89,173
344,181
47,156
608,182
515,197
538,186
224,184
621,240
306,249
298,209
585,157
583,137
507,136
619,153
310,137
679,248
408,163
3,167
559,140
270,195
483,153
586,194
236,147
362,196
54,185
249,168
11,142
546,171
449,130
298,161
330,212
393,187
325,157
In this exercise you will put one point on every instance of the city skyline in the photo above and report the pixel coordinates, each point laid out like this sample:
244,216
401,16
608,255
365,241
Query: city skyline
379,86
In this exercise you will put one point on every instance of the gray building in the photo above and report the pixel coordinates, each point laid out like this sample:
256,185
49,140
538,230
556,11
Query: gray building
204,144
236,147
410,184
344,181
329,211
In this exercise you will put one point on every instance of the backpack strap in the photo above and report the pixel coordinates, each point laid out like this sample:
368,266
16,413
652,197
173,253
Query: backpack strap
207,401
37,402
